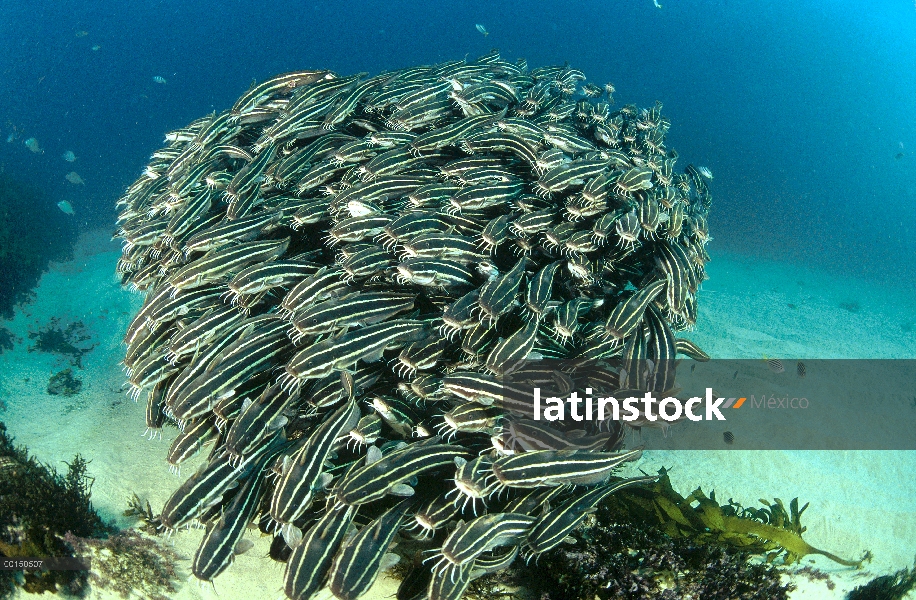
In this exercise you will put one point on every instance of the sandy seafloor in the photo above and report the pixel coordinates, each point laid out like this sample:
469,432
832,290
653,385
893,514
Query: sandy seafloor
859,500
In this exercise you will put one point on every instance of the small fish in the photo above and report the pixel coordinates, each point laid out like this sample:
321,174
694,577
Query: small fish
65,207
482,29
705,172
160,79
775,365
32,144
657,5
96,48
800,369
899,155
728,437
69,156
82,33
74,178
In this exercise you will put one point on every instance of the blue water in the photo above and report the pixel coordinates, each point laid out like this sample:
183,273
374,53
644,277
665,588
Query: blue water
798,107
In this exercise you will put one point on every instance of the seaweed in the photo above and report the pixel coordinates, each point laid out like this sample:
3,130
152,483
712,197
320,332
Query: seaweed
38,507
886,587
67,341
770,530
142,511
650,542
633,561
63,383
130,565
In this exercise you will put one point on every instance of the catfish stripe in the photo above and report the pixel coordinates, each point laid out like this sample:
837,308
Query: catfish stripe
634,359
367,343
662,351
501,142
205,488
200,332
218,264
409,226
449,135
150,305
277,85
327,282
552,528
258,419
182,303
265,276
190,441
250,175
558,467
444,586
207,355
435,272
498,296
302,472
390,187
359,562
348,104
624,318
226,232
688,348
357,308
223,540
508,354
472,538
308,565
373,481
257,350
435,513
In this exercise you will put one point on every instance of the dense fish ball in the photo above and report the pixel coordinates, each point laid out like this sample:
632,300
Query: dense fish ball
345,279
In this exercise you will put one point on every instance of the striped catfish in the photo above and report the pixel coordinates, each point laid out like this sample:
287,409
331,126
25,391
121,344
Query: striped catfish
359,562
498,296
558,467
472,538
223,539
554,527
248,178
324,284
383,475
200,332
308,566
688,348
662,350
206,487
471,481
258,420
508,354
303,472
444,586
219,264
434,514
358,308
626,316
265,276
189,442
342,353
540,290
204,357
256,352
275,86
228,232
